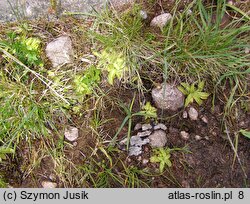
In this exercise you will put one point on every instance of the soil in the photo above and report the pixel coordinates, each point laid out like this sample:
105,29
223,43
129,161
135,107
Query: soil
208,162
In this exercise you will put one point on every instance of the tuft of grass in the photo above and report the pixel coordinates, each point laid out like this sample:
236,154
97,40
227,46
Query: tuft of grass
197,47
124,34
116,30
134,177
21,117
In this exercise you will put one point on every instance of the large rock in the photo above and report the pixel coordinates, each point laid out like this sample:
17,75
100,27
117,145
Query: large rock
168,97
161,20
158,138
60,51
121,4
11,10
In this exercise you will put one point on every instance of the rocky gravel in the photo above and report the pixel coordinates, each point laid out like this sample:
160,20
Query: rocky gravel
152,134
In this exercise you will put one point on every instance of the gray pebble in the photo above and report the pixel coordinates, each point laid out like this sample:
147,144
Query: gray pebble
138,141
193,113
185,114
204,119
197,137
138,126
158,138
145,161
49,184
146,127
134,151
144,134
247,50
160,126
143,14
161,20
71,133
184,135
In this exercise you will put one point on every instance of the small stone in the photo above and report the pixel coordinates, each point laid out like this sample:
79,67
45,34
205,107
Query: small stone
193,113
158,138
204,119
49,184
138,126
247,50
146,127
138,141
168,97
143,14
160,126
189,12
144,134
145,161
185,184
71,133
128,160
134,151
60,51
74,144
185,114
242,124
207,138
139,158
161,20
197,137
184,135
214,133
